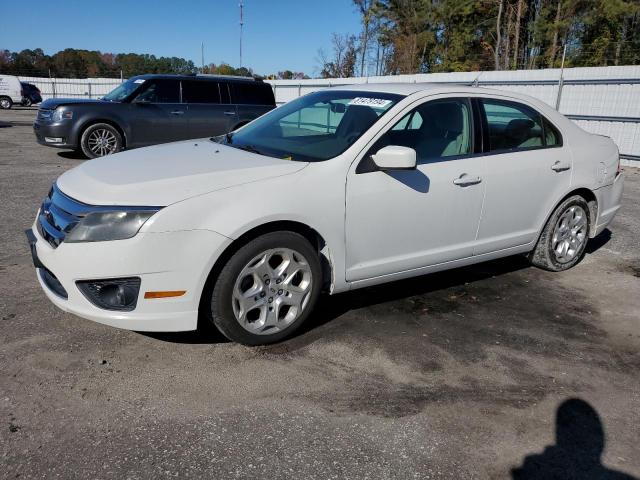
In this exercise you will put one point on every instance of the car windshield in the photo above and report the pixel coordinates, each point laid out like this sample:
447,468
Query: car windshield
123,90
313,128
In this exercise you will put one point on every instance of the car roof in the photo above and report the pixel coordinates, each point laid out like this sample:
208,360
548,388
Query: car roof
168,76
406,89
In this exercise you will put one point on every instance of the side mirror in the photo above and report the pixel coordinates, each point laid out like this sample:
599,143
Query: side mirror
395,157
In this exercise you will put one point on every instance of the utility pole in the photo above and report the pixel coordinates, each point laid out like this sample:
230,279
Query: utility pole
241,24
202,55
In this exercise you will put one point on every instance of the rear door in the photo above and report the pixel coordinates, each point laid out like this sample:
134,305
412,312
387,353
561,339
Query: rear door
252,99
208,110
157,115
527,170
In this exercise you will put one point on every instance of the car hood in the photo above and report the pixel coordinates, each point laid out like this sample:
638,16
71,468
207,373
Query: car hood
165,174
53,103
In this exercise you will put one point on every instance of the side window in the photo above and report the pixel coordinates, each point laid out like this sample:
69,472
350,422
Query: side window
161,91
512,126
435,130
198,91
252,93
551,134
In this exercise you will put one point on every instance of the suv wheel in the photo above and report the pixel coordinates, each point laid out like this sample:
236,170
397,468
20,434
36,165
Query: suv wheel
267,289
100,139
564,239
5,103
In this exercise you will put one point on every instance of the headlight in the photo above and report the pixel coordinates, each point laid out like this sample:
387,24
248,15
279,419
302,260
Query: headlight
104,226
59,115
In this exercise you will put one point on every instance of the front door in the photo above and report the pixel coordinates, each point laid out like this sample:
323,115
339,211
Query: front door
403,220
158,116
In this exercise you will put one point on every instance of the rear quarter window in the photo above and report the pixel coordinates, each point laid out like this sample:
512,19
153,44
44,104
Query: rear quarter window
252,93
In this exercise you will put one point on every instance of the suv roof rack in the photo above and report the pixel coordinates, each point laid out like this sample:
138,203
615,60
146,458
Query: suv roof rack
235,77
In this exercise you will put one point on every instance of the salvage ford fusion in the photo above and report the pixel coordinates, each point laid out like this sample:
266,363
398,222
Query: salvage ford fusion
339,189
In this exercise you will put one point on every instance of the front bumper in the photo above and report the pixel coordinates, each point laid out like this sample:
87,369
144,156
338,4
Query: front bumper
168,261
62,131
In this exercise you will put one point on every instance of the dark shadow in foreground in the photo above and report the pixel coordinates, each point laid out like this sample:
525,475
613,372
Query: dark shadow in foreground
580,441
72,155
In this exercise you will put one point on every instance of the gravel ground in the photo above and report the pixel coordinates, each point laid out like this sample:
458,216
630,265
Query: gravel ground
454,375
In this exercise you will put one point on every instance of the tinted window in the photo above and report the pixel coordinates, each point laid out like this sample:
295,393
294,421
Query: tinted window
315,127
161,91
512,126
194,91
551,135
252,93
435,130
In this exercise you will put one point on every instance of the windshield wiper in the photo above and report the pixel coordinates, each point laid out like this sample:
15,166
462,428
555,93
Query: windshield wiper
228,136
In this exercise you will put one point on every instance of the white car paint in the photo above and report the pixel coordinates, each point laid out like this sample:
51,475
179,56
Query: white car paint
375,228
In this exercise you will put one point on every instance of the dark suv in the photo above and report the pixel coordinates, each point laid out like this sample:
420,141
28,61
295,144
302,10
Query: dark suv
151,109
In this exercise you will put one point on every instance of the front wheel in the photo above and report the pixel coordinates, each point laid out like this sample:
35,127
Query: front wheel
27,102
5,103
267,289
564,239
100,139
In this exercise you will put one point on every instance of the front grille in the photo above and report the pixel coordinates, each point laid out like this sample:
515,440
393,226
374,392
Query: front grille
44,114
58,215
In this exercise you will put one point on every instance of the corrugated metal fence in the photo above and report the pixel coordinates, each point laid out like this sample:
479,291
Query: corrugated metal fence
604,100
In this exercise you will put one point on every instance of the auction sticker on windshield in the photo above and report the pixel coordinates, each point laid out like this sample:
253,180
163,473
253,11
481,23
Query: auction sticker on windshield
370,102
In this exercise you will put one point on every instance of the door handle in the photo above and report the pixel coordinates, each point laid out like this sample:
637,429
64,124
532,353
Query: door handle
560,166
229,113
465,180
177,112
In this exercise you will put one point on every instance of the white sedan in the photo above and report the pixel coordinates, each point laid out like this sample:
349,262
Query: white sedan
340,189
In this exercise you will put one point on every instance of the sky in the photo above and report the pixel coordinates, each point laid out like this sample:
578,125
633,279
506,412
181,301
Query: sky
278,34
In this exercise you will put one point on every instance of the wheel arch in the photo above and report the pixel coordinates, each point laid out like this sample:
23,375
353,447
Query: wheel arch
592,202
312,235
86,124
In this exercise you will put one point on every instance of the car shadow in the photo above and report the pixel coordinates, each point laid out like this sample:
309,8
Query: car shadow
331,307
580,442
598,242
72,155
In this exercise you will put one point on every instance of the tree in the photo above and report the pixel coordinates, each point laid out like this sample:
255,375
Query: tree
342,63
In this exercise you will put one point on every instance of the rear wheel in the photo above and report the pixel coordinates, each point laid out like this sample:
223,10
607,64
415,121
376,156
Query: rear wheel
267,289
5,103
100,139
564,238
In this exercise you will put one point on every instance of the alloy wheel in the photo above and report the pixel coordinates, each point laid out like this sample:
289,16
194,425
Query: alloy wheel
102,142
569,234
272,291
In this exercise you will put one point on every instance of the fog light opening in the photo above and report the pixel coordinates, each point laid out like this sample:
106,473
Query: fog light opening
119,294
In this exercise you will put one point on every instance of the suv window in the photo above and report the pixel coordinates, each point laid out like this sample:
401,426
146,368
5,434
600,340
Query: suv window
198,91
161,91
435,130
512,126
252,93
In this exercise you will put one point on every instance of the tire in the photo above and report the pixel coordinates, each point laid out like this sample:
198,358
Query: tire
564,238
100,139
5,103
27,102
276,300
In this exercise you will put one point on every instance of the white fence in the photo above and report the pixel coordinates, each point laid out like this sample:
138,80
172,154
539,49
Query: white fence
604,100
